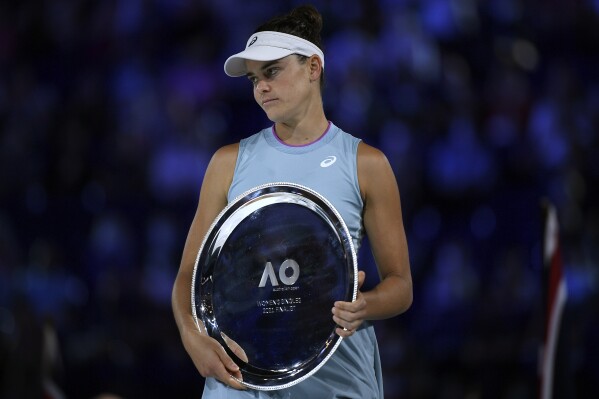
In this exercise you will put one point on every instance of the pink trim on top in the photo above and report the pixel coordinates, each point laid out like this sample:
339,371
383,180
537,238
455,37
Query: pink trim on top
274,132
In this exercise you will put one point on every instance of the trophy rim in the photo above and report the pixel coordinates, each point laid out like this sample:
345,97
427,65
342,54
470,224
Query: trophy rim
310,199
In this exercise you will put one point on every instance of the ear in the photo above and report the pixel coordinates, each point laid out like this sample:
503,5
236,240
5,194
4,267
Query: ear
315,65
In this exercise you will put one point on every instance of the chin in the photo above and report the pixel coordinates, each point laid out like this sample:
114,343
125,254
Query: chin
274,117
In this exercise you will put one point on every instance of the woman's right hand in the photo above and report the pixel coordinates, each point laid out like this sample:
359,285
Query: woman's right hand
211,359
207,354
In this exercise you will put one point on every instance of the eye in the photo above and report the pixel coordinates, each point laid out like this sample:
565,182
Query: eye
272,71
253,80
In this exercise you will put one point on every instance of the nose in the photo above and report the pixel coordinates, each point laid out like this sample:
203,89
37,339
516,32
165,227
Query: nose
262,86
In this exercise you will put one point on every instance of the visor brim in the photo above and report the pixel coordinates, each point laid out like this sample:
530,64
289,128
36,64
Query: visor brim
235,64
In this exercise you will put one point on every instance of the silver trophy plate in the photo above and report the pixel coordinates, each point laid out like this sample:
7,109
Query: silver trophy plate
267,274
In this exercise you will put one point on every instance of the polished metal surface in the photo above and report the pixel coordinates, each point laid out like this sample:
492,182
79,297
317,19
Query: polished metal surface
266,277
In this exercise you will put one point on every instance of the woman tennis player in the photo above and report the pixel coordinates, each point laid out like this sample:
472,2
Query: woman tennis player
285,64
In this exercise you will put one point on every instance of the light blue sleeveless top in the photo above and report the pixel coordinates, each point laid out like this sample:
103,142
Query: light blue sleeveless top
329,167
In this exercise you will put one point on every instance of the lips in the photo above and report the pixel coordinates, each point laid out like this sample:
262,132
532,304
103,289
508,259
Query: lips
268,101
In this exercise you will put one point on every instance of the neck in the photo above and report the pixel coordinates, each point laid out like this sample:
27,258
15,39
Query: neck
302,133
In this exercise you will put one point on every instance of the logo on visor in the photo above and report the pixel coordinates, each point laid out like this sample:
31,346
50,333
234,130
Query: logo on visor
253,40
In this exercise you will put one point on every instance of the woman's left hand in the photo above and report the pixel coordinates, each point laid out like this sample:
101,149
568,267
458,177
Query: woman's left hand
350,315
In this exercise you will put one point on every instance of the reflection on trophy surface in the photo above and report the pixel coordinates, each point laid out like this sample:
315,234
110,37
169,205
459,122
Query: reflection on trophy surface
268,273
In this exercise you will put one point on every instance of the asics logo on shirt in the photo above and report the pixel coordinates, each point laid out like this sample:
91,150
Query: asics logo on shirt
328,161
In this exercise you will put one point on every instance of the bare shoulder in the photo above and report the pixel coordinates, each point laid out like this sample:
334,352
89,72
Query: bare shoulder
374,170
226,156
369,153
371,160
223,162
221,168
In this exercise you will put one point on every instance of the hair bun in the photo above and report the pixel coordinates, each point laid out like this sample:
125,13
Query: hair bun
309,18
303,21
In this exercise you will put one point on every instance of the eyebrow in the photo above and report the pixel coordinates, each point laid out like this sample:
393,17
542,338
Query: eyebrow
265,66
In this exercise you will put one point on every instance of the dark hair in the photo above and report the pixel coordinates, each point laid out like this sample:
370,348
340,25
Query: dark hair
303,21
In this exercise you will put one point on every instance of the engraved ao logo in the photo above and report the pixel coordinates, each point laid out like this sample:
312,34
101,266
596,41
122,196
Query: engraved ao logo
269,273
328,161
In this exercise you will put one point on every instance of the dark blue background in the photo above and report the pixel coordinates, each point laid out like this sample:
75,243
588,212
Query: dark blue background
111,110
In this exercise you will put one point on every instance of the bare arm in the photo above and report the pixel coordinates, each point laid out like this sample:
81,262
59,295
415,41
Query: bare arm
384,226
207,354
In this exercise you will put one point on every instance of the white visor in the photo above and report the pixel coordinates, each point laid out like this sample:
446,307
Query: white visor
270,46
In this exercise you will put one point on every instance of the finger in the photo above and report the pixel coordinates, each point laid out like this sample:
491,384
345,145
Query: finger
235,348
230,378
350,307
342,316
348,325
361,278
230,366
232,374
239,352
235,382
344,332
